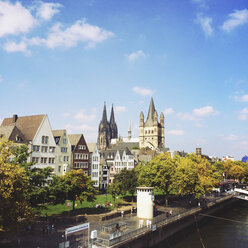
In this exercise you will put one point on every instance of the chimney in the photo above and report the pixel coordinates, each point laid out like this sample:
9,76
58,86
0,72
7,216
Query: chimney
15,117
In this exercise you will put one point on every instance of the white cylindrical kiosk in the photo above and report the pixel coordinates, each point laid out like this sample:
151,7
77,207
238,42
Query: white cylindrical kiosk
145,200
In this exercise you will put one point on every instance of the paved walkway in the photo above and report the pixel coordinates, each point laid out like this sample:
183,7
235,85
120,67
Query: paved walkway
38,238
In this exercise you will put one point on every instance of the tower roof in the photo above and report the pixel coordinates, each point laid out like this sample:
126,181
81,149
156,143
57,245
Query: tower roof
112,116
151,112
104,114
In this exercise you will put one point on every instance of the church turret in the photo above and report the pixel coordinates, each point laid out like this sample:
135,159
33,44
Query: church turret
155,118
161,119
129,132
112,124
141,119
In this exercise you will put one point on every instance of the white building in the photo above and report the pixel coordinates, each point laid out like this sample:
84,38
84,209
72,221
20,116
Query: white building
37,133
225,158
95,163
116,160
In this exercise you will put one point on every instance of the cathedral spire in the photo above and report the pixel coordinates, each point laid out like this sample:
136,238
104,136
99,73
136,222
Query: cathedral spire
104,114
112,116
151,112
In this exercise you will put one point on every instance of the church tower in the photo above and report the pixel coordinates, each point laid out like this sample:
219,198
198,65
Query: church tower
107,130
113,126
151,132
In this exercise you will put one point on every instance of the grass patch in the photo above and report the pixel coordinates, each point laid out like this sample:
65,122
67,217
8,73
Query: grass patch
81,208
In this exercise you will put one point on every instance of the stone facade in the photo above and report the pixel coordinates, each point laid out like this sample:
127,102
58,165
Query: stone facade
151,132
107,130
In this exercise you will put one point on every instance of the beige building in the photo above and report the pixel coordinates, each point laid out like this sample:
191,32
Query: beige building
151,132
63,152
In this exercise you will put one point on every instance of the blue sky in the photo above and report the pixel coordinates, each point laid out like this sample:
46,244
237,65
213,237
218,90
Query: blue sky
65,58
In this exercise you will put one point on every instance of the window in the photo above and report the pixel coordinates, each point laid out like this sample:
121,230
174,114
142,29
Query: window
59,169
64,141
43,160
35,160
51,160
85,165
66,158
60,158
52,149
82,147
63,149
44,149
36,148
18,138
44,139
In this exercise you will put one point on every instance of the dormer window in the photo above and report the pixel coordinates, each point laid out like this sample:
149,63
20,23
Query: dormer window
18,138
44,140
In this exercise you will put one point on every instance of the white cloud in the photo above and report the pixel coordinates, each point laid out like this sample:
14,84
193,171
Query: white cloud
168,111
15,19
66,114
244,111
206,24
82,116
176,132
205,111
237,18
11,46
243,114
70,37
119,109
47,10
231,137
142,91
242,117
187,117
135,55
243,98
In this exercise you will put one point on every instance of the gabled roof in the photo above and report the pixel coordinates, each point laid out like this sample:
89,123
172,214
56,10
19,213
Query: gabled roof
91,147
6,131
28,125
74,138
58,133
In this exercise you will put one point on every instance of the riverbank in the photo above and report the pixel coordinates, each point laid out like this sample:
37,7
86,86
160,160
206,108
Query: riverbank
130,233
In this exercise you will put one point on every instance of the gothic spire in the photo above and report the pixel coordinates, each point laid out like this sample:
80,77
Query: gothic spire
151,112
104,114
112,117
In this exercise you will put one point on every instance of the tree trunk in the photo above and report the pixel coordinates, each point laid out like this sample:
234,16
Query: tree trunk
73,204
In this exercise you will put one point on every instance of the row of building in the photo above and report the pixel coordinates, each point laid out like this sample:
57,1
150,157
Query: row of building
102,160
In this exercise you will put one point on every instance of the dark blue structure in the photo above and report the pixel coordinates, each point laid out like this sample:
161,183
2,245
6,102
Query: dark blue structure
245,159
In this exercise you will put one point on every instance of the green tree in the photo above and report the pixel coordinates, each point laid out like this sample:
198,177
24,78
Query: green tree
158,173
193,175
14,208
237,172
126,181
114,190
74,185
38,185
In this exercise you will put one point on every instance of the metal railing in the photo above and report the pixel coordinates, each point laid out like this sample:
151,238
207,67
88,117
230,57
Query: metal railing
159,221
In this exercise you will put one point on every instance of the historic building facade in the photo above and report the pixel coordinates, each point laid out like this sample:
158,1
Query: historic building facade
107,130
151,131
36,132
63,152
